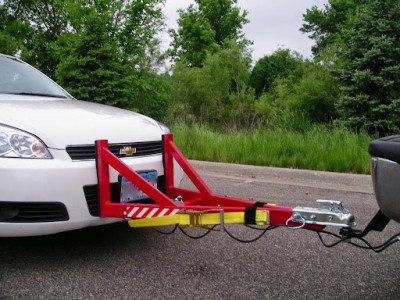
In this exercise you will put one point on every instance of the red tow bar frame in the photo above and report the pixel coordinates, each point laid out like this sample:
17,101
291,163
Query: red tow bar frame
199,201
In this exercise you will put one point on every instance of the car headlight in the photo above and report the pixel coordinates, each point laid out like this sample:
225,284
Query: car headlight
18,143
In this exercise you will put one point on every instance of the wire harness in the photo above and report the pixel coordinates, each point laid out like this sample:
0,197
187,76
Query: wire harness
354,238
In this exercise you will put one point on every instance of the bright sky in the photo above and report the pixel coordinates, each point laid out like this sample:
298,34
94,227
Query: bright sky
273,24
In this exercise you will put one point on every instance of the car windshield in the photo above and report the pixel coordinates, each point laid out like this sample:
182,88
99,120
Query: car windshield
19,78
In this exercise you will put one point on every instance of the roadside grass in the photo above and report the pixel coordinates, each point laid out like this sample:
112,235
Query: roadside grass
317,148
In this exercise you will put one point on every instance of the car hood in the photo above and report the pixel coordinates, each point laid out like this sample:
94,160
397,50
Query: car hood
60,122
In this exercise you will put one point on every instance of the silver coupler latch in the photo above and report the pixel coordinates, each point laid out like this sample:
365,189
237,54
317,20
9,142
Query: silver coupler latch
334,214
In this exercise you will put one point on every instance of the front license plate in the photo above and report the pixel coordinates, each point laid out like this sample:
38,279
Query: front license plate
131,193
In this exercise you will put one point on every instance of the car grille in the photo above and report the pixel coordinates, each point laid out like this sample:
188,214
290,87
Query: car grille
32,212
85,152
91,195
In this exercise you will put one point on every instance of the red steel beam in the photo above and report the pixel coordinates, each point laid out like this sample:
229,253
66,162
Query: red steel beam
201,200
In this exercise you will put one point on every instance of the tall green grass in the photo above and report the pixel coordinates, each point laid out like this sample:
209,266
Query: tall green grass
318,148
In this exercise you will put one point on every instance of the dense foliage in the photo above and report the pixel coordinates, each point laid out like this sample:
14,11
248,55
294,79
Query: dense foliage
99,50
205,27
280,64
360,42
107,51
216,93
370,76
325,25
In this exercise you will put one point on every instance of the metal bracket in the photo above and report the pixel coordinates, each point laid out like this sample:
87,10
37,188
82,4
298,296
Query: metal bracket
334,215
196,219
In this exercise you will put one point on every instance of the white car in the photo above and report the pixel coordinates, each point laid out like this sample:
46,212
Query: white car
47,158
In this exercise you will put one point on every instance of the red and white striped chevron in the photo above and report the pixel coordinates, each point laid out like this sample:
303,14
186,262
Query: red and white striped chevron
136,212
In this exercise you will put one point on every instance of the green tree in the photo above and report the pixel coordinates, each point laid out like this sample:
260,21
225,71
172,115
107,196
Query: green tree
308,92
205,27
43,22
109,56
370,95
131,24
280,64
216,93
90,68
99,50
315,95
325,26
360,41
225,19
194,38
12,30
151,94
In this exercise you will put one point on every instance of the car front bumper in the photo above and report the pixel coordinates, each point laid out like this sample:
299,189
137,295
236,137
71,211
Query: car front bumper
57,180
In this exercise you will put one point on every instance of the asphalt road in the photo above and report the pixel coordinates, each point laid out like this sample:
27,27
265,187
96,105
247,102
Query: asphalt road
116,262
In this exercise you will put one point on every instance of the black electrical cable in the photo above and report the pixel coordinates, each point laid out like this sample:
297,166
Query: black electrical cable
379,248
340,238
258,228
163,232
200,236
256,238
330,245
394,239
